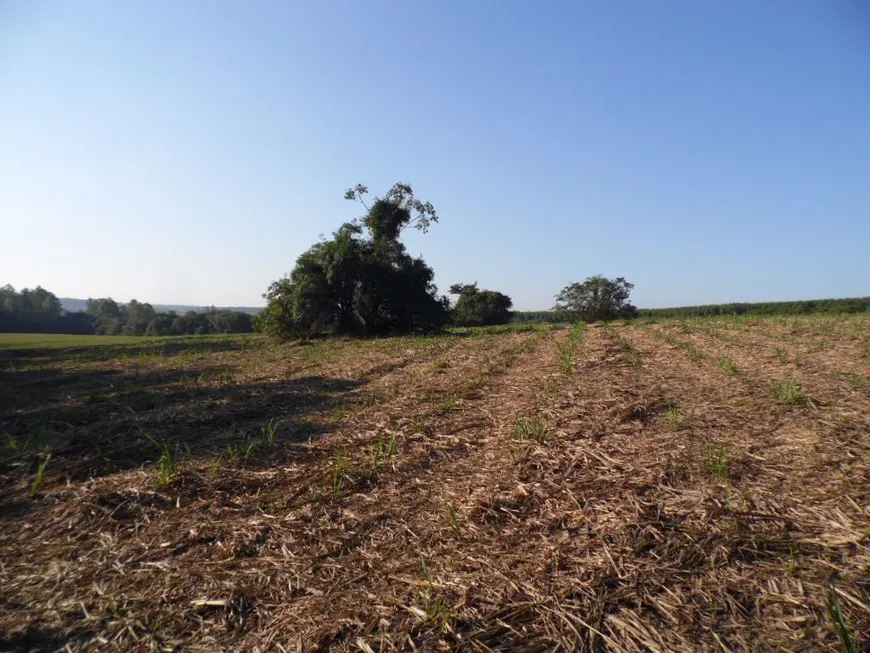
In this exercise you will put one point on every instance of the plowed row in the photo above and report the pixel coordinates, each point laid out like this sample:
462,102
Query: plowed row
494,492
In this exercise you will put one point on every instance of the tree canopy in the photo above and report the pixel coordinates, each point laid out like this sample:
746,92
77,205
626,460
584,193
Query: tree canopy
362,280
597,298
37,311
476,307
137,319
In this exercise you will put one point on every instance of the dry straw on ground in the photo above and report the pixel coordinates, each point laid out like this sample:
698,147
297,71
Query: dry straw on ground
657,502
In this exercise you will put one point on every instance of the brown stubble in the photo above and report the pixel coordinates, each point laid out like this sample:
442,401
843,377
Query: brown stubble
189,537
802,481
671,507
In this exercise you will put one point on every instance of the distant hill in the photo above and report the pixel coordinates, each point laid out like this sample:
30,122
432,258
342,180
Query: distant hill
72,304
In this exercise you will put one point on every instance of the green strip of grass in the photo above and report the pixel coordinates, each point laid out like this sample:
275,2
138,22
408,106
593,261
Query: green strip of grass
62,341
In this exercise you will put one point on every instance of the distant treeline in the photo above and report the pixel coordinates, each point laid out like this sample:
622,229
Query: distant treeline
40,311
552,317
803,307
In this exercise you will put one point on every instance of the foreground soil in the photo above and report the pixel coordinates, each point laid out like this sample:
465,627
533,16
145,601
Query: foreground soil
682,486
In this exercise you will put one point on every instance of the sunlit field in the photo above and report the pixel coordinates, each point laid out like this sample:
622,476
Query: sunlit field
642,486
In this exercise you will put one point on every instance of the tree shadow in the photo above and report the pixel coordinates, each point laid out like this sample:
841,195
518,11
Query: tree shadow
171,346
25,387
99,422
40,637
28,389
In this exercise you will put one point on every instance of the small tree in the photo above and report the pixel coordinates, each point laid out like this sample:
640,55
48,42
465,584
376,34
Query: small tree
477,307
597,298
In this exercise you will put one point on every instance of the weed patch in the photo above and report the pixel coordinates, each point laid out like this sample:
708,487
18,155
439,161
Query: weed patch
340,468
855,379
382,451
713,458
629,352
841,624
568,348
727,363
790,392
532,428
265,438
440,364
167,464
40,473
447,403
677,419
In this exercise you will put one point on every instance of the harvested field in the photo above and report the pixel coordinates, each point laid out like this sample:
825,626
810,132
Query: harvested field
698,485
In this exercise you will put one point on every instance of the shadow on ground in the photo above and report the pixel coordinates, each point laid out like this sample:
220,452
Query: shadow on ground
101,421
149,347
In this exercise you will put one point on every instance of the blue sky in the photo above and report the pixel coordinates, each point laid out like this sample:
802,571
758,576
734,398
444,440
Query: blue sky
188,152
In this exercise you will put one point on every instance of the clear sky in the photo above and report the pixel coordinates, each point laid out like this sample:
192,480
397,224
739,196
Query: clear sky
188,152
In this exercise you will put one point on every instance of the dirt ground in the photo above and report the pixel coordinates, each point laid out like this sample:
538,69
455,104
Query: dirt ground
676,486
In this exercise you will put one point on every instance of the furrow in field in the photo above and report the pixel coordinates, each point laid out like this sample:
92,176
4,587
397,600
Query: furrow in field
541,561
668,505
245,522
829,431
841,342
406,403
837,396
846,359
393,528
666,520
789,498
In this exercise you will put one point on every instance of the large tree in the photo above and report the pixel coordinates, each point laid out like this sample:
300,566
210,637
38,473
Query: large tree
362,281
597,298
476,307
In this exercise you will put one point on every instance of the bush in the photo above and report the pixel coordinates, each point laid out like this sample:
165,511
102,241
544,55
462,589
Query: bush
477,307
